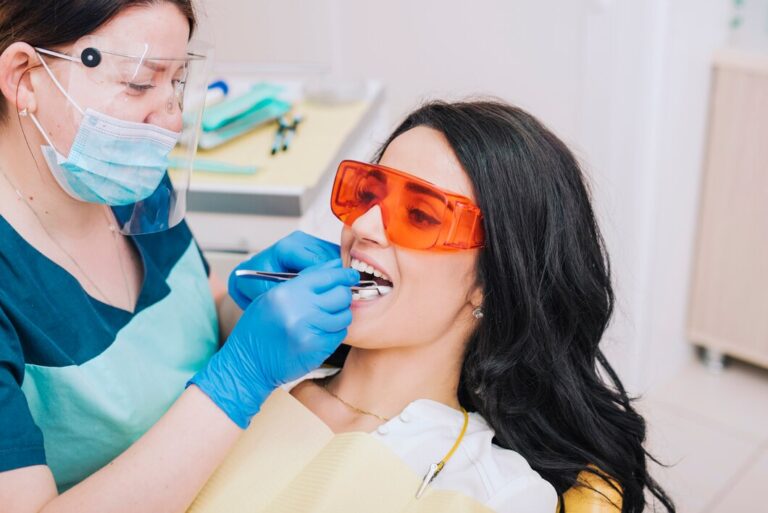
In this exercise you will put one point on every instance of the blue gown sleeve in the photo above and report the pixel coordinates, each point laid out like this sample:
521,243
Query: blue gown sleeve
21,441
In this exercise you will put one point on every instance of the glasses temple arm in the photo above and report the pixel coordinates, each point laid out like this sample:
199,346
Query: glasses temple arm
58,55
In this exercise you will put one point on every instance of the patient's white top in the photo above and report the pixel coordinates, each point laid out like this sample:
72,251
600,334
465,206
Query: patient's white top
424,432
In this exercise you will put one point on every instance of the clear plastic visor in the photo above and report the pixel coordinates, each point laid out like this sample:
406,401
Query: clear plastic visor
139,83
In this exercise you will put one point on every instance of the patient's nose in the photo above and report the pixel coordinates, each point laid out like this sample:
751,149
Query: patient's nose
370,227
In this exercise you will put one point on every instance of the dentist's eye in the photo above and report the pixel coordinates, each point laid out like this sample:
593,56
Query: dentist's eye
138,88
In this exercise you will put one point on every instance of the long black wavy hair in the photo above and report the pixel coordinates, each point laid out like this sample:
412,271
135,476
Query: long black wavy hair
532,367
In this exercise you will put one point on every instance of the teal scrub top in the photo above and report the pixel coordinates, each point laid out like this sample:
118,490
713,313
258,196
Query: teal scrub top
81,380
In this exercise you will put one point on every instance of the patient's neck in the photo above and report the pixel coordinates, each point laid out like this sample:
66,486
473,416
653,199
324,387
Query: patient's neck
387,380
383,382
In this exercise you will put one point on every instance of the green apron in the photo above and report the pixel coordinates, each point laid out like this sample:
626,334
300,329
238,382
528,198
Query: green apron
90,413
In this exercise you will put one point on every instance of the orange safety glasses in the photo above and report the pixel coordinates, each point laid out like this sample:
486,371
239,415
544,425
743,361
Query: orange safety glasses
416,214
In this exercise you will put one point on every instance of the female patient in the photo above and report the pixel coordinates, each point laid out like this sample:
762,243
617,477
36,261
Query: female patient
495,292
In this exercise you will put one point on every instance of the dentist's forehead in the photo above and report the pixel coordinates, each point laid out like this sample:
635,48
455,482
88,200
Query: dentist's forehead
424,152
161,27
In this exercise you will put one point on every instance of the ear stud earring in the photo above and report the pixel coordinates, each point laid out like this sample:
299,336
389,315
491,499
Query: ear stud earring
24,112
478,313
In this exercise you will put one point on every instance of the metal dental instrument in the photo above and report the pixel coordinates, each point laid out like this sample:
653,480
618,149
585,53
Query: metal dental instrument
266,275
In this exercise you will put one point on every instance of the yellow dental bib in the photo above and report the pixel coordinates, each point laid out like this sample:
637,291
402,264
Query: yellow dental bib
288,460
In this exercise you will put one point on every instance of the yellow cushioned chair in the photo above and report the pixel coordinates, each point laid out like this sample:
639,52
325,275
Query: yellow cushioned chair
600,498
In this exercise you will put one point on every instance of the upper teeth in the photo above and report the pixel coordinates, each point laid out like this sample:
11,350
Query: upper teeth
363,267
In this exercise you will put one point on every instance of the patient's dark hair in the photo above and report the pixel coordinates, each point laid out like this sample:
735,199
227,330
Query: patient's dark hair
52,23
532,366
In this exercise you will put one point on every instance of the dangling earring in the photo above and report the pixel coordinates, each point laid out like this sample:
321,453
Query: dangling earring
478,313
24,112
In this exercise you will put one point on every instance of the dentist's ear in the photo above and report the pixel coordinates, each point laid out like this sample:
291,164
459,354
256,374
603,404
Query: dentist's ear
15,83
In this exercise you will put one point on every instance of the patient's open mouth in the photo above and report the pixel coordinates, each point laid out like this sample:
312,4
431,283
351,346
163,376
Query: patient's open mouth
368,273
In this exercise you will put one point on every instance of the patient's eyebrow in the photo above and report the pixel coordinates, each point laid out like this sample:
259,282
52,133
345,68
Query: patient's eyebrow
378,175
421,189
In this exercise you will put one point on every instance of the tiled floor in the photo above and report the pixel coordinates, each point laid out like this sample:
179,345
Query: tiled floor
713,430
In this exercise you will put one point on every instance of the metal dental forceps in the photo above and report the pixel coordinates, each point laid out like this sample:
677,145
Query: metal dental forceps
265,275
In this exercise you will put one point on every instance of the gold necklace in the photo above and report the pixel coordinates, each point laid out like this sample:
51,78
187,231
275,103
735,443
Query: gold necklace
111,228
434,468
352,407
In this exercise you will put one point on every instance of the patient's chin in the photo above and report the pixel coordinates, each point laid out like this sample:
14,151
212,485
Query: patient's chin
360,336
359,340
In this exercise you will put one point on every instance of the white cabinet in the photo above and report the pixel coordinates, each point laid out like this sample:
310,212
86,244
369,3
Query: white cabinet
729,291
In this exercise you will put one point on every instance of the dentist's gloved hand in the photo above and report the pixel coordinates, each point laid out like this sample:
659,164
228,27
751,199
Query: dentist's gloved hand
291,254
285,333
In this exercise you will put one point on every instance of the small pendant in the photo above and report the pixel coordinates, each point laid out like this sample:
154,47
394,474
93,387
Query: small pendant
434,469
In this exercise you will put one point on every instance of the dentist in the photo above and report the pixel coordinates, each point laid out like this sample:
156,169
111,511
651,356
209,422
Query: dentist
115,391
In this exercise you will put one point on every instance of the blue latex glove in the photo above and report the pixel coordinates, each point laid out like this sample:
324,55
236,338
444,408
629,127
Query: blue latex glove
290,254
285,333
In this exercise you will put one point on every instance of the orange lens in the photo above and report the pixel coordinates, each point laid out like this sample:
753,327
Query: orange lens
416,213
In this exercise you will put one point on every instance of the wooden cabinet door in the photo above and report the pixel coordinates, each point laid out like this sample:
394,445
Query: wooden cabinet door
729,292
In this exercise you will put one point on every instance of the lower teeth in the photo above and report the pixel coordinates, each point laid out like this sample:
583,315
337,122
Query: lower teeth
365,295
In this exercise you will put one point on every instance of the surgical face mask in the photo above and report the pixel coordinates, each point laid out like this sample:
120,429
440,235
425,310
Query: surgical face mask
111,161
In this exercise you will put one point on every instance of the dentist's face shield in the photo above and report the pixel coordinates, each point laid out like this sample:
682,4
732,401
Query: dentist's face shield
127,106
